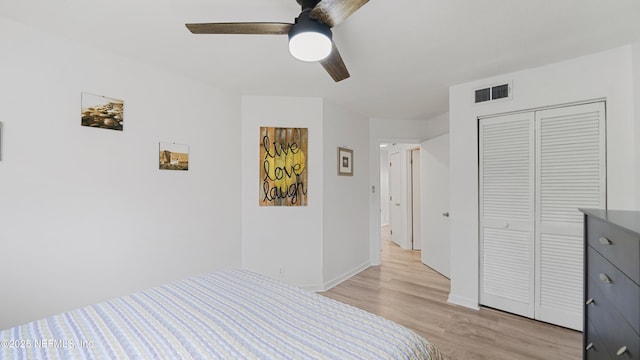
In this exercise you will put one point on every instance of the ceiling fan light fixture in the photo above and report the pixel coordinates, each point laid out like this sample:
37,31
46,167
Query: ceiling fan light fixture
310,46
310,40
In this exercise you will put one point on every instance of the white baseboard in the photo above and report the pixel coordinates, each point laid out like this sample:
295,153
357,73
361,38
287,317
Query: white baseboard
339,279
312,288
461,301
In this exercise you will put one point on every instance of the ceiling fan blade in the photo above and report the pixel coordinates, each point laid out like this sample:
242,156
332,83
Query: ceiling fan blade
335,66
254,28
333,12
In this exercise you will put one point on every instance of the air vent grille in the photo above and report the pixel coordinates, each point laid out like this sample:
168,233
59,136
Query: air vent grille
500,92
494,92
483,95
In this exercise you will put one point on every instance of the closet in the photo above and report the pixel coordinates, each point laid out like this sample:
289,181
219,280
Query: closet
535,170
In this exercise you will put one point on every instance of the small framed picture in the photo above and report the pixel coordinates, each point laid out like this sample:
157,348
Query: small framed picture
174,156
345,162
102,112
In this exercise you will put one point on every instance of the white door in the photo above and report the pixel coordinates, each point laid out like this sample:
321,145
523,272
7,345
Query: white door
395,194
434,174
415,208
570,159
536,170
506,213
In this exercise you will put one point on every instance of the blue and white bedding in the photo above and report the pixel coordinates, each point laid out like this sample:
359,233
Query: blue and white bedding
230,314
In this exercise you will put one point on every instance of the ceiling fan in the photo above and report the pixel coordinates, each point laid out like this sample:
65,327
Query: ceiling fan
310,37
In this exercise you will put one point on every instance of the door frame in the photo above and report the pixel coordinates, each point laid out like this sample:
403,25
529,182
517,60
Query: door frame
374,188
401,205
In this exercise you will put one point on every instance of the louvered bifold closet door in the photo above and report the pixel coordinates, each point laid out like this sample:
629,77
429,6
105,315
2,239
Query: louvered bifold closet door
570,162
506,213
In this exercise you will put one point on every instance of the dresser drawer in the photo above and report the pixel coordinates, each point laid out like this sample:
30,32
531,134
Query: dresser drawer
621,292
594,348
621,247
611,328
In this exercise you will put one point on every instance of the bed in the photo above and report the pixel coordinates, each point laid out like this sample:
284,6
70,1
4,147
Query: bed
229,314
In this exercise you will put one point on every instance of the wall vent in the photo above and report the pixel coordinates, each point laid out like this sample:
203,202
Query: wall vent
483,95
494,92
500,91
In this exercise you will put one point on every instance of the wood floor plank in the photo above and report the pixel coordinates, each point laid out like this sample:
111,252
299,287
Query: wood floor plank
406,291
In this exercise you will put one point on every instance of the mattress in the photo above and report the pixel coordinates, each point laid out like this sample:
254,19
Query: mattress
229,314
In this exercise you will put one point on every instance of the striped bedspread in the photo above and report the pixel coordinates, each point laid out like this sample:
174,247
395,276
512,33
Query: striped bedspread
230,314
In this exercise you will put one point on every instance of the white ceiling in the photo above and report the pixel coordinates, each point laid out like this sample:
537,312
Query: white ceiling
402,54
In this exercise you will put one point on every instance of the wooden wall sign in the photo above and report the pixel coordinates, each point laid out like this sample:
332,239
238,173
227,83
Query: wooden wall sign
283,166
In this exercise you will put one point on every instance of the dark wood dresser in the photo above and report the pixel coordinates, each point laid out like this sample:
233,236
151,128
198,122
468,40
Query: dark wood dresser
612,284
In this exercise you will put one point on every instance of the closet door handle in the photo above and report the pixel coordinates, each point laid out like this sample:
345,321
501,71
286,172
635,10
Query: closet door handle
621,351
589,347
590,301
605,279
604,241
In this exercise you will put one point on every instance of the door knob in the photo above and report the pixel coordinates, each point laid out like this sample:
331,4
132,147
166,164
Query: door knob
398,204
604,241
590,301
445,214
605,278
621,351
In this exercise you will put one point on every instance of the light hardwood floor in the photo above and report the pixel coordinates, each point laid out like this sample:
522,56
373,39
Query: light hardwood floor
406,291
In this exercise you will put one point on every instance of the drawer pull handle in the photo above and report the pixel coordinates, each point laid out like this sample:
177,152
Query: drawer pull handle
621,351
590,301
605,241
605,279
589,347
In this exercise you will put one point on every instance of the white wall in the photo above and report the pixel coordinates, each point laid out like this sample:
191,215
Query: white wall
345,212
85,214
604,75
318,245
409,130
276,238
399,131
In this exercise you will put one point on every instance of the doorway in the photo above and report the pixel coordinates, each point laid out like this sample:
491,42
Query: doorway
400,200
429,180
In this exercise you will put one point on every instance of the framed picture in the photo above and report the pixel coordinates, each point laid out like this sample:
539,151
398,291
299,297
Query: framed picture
102,112
174,156
345,162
